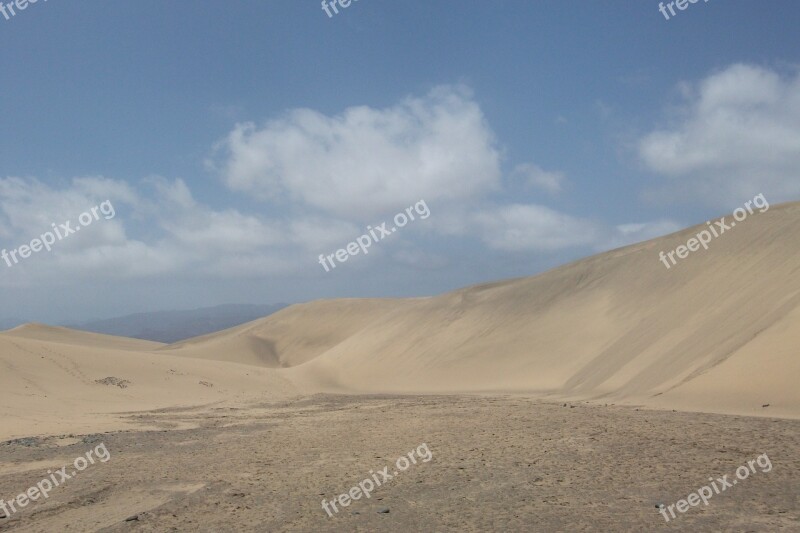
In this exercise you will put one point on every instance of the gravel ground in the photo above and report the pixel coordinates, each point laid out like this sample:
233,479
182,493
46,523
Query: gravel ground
498,464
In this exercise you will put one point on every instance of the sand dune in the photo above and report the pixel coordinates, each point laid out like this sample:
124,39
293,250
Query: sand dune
716,333
62,387
42,332
292,336
711,333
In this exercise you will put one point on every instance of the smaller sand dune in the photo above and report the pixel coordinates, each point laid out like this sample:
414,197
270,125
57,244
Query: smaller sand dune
42,332
53,387
292,336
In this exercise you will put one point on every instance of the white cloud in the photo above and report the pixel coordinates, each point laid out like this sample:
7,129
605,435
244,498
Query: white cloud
534,176
367,162
533,227
333,176
318,234
737,134
523,228
29,207
182,236
195,226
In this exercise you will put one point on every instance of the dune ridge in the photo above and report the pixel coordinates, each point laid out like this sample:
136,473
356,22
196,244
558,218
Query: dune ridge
712,333
617,326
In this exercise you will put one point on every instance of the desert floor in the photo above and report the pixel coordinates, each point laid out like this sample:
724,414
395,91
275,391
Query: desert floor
500,463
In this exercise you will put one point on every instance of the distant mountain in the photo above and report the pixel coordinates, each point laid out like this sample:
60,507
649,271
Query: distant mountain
8,323
173,326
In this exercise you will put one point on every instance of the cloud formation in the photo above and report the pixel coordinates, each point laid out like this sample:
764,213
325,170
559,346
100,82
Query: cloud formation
365,162
735,134
330,176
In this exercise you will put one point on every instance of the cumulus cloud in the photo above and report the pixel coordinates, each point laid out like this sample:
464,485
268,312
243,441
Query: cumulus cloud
365,161
736,133
30,207
526,228
315,233
181,235
194,226
331,175
533,227
534,176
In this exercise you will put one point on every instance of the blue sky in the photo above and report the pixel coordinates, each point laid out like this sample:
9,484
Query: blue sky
239,140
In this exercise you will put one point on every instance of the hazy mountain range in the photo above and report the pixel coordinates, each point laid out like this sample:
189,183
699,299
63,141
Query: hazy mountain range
173,326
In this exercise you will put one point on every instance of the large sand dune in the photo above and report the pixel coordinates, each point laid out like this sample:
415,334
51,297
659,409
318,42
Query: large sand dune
717,332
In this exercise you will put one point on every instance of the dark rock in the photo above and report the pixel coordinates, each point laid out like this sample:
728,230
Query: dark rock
91,439
383,510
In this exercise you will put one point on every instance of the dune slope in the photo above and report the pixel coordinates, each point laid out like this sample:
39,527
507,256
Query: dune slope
51,387
618,326
716,332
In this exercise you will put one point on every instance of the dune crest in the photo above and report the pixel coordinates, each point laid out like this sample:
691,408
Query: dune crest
617,326
712,333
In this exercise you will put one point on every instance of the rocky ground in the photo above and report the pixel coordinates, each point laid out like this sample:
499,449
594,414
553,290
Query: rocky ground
498,464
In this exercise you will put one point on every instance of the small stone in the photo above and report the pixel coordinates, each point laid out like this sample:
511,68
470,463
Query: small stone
134,518
111,380
383,510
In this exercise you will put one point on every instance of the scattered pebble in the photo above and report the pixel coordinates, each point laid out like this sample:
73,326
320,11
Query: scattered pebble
111,380
28,442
